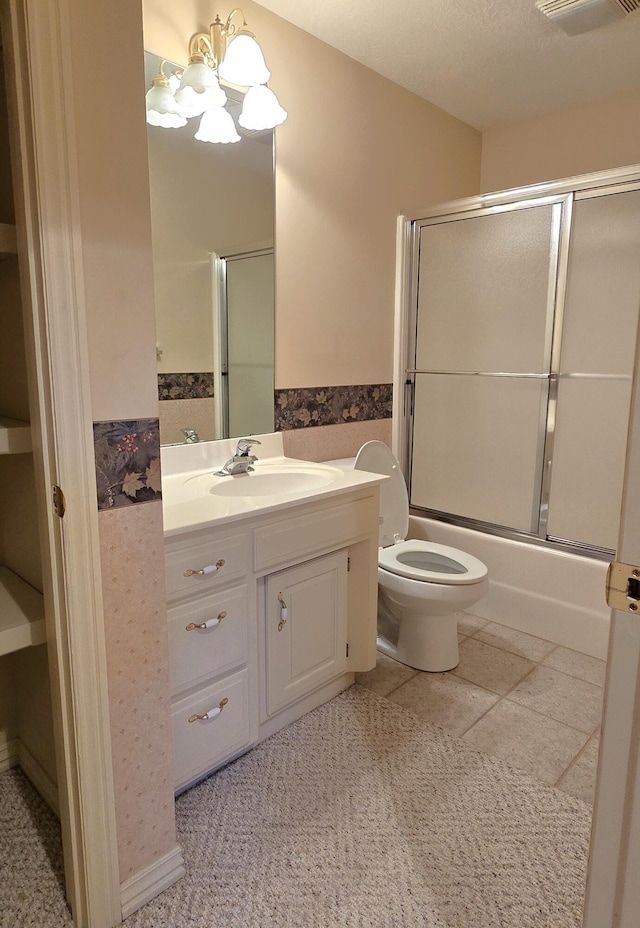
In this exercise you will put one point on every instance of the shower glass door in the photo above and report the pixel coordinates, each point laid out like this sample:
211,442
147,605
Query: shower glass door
483,354
596,368
521,364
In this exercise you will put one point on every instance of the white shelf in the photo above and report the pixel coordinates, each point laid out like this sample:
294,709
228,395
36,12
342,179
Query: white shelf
21,613
8,245
15,436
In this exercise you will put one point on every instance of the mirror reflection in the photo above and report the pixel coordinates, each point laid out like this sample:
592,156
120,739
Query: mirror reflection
212,214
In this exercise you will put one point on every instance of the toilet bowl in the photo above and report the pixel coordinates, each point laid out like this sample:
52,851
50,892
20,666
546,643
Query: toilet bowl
421,585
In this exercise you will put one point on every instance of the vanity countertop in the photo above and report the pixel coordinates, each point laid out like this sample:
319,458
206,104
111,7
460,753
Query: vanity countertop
194,498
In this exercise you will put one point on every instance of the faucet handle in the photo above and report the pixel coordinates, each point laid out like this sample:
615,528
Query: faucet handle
244,446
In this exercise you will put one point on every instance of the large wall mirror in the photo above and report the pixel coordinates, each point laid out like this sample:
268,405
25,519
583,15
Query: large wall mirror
212,214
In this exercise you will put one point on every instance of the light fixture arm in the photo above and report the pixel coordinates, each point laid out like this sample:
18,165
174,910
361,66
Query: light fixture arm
214,45
160,80
201,48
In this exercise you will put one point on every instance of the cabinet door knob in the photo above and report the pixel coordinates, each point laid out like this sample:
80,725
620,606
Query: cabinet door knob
211,713
204,571
210,623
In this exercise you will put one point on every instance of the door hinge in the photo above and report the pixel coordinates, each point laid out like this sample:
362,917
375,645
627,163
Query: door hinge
347,649
348,565
59,504
623,587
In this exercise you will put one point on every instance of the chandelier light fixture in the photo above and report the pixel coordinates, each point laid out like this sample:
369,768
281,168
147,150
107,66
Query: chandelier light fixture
228,53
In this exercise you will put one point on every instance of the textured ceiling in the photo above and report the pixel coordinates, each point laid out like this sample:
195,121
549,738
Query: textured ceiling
488,62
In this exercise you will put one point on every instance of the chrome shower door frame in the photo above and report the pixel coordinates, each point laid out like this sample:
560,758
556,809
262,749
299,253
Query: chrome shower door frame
560,196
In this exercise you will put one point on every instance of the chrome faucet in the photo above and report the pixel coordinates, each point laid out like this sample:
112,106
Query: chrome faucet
242,460
190,435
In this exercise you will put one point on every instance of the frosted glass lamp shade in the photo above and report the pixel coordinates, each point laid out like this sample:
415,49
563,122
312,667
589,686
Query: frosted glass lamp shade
199,76
261,109
217,125
162,109
244,63
194,103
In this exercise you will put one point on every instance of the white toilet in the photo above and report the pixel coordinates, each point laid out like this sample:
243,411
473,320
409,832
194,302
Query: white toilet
421,585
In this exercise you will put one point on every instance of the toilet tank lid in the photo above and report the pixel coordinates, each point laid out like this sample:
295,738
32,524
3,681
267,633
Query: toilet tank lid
376,458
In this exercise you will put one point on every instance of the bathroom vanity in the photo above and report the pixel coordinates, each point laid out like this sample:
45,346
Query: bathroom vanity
272,594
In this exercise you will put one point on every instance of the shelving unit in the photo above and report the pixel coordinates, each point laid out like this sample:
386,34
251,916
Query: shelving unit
8,245
15,436
21,613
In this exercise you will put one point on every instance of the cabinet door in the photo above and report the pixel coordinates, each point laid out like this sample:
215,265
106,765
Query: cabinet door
306,618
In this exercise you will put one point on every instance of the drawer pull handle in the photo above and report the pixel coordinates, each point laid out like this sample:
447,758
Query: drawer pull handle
211,714
210,623
205,571
284,612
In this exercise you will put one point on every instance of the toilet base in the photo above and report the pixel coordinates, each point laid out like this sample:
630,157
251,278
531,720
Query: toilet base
427,643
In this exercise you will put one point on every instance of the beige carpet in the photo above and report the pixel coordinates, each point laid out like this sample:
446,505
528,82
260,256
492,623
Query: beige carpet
31,868
360,815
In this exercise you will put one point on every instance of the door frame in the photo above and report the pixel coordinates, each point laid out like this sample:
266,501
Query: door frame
36,38
612,892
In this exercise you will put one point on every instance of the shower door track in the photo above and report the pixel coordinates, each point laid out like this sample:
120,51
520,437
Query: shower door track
512,534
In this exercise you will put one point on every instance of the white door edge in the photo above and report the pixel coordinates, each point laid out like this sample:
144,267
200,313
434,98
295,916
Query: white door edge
613,891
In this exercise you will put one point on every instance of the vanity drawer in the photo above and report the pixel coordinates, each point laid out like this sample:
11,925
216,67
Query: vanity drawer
292,540
202,745
183,563
200,653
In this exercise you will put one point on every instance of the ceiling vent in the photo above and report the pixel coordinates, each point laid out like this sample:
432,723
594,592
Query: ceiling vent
577,16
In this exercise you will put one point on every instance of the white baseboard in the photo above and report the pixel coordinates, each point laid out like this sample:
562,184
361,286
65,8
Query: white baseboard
8,754
145,885
34,770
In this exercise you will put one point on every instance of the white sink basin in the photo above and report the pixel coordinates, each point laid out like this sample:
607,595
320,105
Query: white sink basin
269,480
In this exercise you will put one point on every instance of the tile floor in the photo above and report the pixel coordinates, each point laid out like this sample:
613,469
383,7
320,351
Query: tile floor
535,704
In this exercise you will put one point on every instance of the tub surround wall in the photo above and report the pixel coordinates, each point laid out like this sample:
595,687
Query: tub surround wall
550,594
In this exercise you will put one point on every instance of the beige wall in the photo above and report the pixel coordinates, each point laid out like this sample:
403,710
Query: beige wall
593,137
113,179
355,151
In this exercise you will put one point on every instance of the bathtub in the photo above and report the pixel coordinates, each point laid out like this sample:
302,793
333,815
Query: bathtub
544,592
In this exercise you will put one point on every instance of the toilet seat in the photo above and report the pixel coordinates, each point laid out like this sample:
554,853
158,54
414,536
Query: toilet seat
431,563
414,559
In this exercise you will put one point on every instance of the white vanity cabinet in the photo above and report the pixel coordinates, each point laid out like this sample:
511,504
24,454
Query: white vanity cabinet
270,615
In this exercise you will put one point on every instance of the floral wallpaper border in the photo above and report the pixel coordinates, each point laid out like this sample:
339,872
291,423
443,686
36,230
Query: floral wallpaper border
194,386
302,407
127,462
